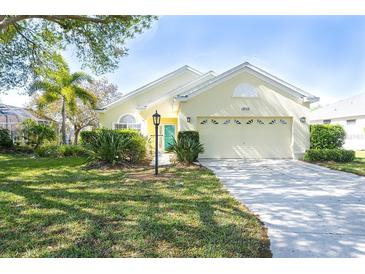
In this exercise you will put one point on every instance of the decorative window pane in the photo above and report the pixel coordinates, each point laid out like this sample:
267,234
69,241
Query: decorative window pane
215,122
128,122
237,122
272,122
260,122
249,122
351,122
204,122
226,122
283,122
245,90
327,121
127,119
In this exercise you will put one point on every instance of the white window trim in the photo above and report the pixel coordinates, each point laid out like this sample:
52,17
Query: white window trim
137,125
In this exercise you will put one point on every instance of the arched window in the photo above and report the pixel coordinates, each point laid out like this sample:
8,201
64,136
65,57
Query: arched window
127,122
127,119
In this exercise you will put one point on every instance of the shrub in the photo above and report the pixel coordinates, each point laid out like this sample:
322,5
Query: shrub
336,155
106,146
36,134
87,136
71,151
5,138
133,149
327,136
189,134
187,147
60,151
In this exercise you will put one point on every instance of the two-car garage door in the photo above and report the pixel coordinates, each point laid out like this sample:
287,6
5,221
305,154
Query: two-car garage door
246,137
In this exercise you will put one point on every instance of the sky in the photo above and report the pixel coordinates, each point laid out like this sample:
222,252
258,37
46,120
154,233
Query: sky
324,55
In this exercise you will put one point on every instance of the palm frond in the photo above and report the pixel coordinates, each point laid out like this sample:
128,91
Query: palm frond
44,86
84,95
47,98
79,77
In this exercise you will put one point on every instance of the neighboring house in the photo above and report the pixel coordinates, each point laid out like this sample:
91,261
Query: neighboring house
350,113
244,112
11,117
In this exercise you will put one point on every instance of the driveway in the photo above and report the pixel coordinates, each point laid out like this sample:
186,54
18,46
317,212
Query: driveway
310,211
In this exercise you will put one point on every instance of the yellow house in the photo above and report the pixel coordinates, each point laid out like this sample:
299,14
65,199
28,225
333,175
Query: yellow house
244,112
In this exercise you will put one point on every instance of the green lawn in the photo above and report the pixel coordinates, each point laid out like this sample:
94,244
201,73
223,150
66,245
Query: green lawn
357,166
57,208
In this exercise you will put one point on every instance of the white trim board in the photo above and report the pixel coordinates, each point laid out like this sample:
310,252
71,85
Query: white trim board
259,73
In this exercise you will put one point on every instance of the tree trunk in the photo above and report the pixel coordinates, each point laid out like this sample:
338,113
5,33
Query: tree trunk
77,133
63,126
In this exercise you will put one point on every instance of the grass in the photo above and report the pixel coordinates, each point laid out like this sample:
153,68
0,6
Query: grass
57,208
357,166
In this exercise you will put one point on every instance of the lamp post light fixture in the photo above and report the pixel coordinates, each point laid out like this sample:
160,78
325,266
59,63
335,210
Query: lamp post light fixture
156,121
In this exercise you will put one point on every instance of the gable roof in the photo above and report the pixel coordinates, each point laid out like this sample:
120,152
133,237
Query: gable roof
263,75
155,82
180,90
353,106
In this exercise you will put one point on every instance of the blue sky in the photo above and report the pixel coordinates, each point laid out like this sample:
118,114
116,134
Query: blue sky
323,55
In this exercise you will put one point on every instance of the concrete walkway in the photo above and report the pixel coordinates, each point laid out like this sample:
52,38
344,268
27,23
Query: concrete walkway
310,211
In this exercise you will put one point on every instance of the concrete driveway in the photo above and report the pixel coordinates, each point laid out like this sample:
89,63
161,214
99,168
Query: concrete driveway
310,211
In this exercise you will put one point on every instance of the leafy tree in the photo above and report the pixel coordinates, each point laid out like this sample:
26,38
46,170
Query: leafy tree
60,85
28,42
85,115
36,134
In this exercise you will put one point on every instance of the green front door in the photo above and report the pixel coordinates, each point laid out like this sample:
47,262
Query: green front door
169,135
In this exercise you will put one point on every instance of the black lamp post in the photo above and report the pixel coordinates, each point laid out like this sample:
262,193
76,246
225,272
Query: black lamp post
156,121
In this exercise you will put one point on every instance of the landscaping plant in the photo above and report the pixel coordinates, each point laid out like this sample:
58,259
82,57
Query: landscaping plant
59,151
59,85
187,147
5,138
326,145
327,136
127,145
336,155
35,134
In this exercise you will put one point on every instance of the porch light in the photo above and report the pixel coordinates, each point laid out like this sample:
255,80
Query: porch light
156,121
303,119
188,119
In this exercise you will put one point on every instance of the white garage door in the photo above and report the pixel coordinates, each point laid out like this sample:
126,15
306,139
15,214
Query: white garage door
249,137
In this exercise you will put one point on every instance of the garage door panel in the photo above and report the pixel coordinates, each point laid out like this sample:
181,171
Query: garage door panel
251,138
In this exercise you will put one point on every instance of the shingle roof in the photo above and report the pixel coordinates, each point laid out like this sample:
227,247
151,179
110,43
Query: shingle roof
353,106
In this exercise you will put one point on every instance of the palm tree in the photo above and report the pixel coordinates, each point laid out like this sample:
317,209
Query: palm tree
59,84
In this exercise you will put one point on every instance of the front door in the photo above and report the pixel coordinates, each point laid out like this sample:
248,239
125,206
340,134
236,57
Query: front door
169,135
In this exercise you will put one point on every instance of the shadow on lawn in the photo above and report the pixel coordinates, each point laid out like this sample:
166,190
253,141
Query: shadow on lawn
109,216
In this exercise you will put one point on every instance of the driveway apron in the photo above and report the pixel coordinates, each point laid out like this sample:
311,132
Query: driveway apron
310,211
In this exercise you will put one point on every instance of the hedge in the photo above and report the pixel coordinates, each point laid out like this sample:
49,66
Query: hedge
135,149
188,134
59,151
336,155
326,136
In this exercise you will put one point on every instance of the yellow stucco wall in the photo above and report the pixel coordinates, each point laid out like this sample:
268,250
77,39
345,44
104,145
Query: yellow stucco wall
112,115
151,130
271,102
